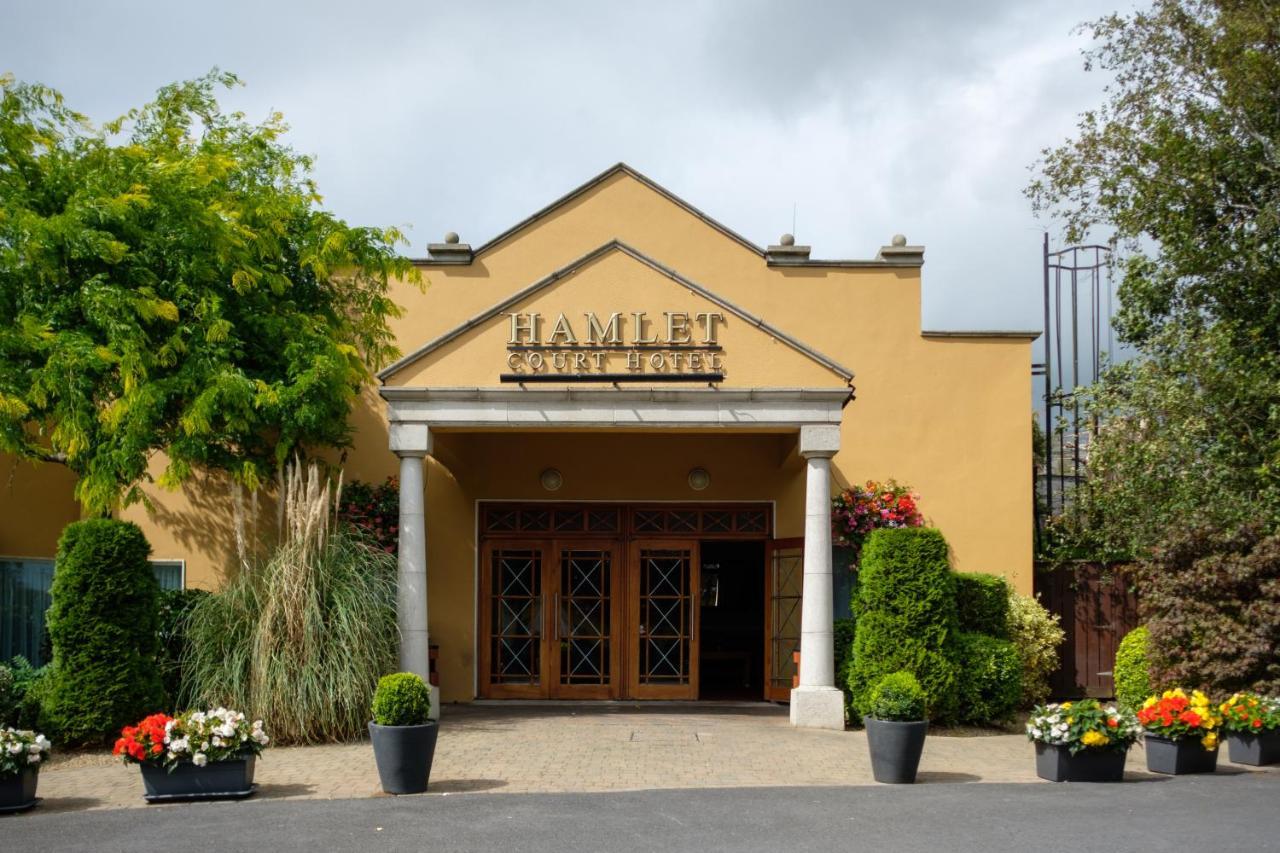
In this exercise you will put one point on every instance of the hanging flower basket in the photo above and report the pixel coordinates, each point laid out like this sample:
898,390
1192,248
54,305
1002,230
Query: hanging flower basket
858,510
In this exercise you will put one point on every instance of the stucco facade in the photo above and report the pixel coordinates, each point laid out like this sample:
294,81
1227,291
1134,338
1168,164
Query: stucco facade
948,414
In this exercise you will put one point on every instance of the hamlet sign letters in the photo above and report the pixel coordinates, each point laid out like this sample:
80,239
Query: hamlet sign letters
678,346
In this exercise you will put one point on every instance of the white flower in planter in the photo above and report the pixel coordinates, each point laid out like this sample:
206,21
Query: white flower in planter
200,759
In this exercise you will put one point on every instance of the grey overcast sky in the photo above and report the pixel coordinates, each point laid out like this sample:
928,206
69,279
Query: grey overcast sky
869,118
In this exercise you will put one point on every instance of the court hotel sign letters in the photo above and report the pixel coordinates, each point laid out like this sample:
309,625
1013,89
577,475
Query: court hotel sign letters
678,346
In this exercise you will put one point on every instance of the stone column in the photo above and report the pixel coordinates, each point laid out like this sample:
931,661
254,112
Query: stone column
817,702
412,443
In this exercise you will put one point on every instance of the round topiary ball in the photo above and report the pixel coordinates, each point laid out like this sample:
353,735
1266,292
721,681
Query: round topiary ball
899,697
402,699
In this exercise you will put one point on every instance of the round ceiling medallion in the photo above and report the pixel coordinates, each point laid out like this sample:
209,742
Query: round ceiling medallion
699,479
551,479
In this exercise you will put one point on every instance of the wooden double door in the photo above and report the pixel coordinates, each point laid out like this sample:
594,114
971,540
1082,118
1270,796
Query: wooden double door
589,619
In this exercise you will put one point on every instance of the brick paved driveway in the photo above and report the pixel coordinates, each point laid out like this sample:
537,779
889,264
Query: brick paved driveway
567,748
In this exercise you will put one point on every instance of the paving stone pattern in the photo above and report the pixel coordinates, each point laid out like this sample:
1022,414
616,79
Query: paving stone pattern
615,747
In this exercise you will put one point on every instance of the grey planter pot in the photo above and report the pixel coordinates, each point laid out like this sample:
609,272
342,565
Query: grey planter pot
219,780
404,755
18,791
1255,749
895,749
1057,764
1178,757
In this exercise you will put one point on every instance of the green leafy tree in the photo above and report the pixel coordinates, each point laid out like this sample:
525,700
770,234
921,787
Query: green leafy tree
1182,162
169,282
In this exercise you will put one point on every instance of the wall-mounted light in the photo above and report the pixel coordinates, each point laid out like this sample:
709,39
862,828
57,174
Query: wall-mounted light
551,479
699,479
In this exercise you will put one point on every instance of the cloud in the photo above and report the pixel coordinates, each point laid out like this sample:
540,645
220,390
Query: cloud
867,119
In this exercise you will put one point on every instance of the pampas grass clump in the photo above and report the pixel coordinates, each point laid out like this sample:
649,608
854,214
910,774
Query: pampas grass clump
300,635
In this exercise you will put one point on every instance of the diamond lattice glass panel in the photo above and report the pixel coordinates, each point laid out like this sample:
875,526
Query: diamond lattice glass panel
515,647
665,616
717,521
786,584
501,520
584,616
752,521
602,520
569,520
682,521
648,520
535,520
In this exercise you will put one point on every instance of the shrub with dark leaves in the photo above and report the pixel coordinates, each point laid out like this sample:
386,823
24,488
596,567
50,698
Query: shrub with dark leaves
1211,601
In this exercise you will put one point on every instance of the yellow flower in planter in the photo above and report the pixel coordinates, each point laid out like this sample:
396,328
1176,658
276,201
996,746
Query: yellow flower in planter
1094,738
1151,700
1210,741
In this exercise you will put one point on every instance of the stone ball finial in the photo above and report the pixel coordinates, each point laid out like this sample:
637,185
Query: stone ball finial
788,240
899,240
451,237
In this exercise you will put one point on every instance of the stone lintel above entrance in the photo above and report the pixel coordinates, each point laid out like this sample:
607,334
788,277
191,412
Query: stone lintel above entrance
601,407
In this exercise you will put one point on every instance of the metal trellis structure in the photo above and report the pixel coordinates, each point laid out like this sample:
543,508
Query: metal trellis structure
1077,332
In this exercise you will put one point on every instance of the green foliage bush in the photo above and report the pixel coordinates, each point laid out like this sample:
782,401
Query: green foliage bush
402,699
990,678
1211,600
1132,669
897,696
20,693
103,624
982,603
906,617
1036,635
9,698
175,605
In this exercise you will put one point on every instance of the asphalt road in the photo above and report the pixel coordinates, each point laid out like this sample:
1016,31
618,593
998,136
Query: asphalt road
1222,813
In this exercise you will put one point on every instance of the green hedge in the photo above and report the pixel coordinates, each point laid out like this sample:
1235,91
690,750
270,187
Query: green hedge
906,617
1133,670
991,678
103,624
982,603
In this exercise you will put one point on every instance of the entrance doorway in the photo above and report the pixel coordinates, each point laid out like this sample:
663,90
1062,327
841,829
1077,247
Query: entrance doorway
731,651
598,601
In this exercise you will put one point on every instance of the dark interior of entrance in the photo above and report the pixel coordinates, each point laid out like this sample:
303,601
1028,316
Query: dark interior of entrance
731,657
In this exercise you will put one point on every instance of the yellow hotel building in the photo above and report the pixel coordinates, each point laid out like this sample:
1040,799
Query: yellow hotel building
617,428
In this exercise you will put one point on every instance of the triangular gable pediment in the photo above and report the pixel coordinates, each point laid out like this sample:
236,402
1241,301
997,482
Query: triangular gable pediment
615,312
600,179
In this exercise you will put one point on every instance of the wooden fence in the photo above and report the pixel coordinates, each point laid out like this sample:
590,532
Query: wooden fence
1098,607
